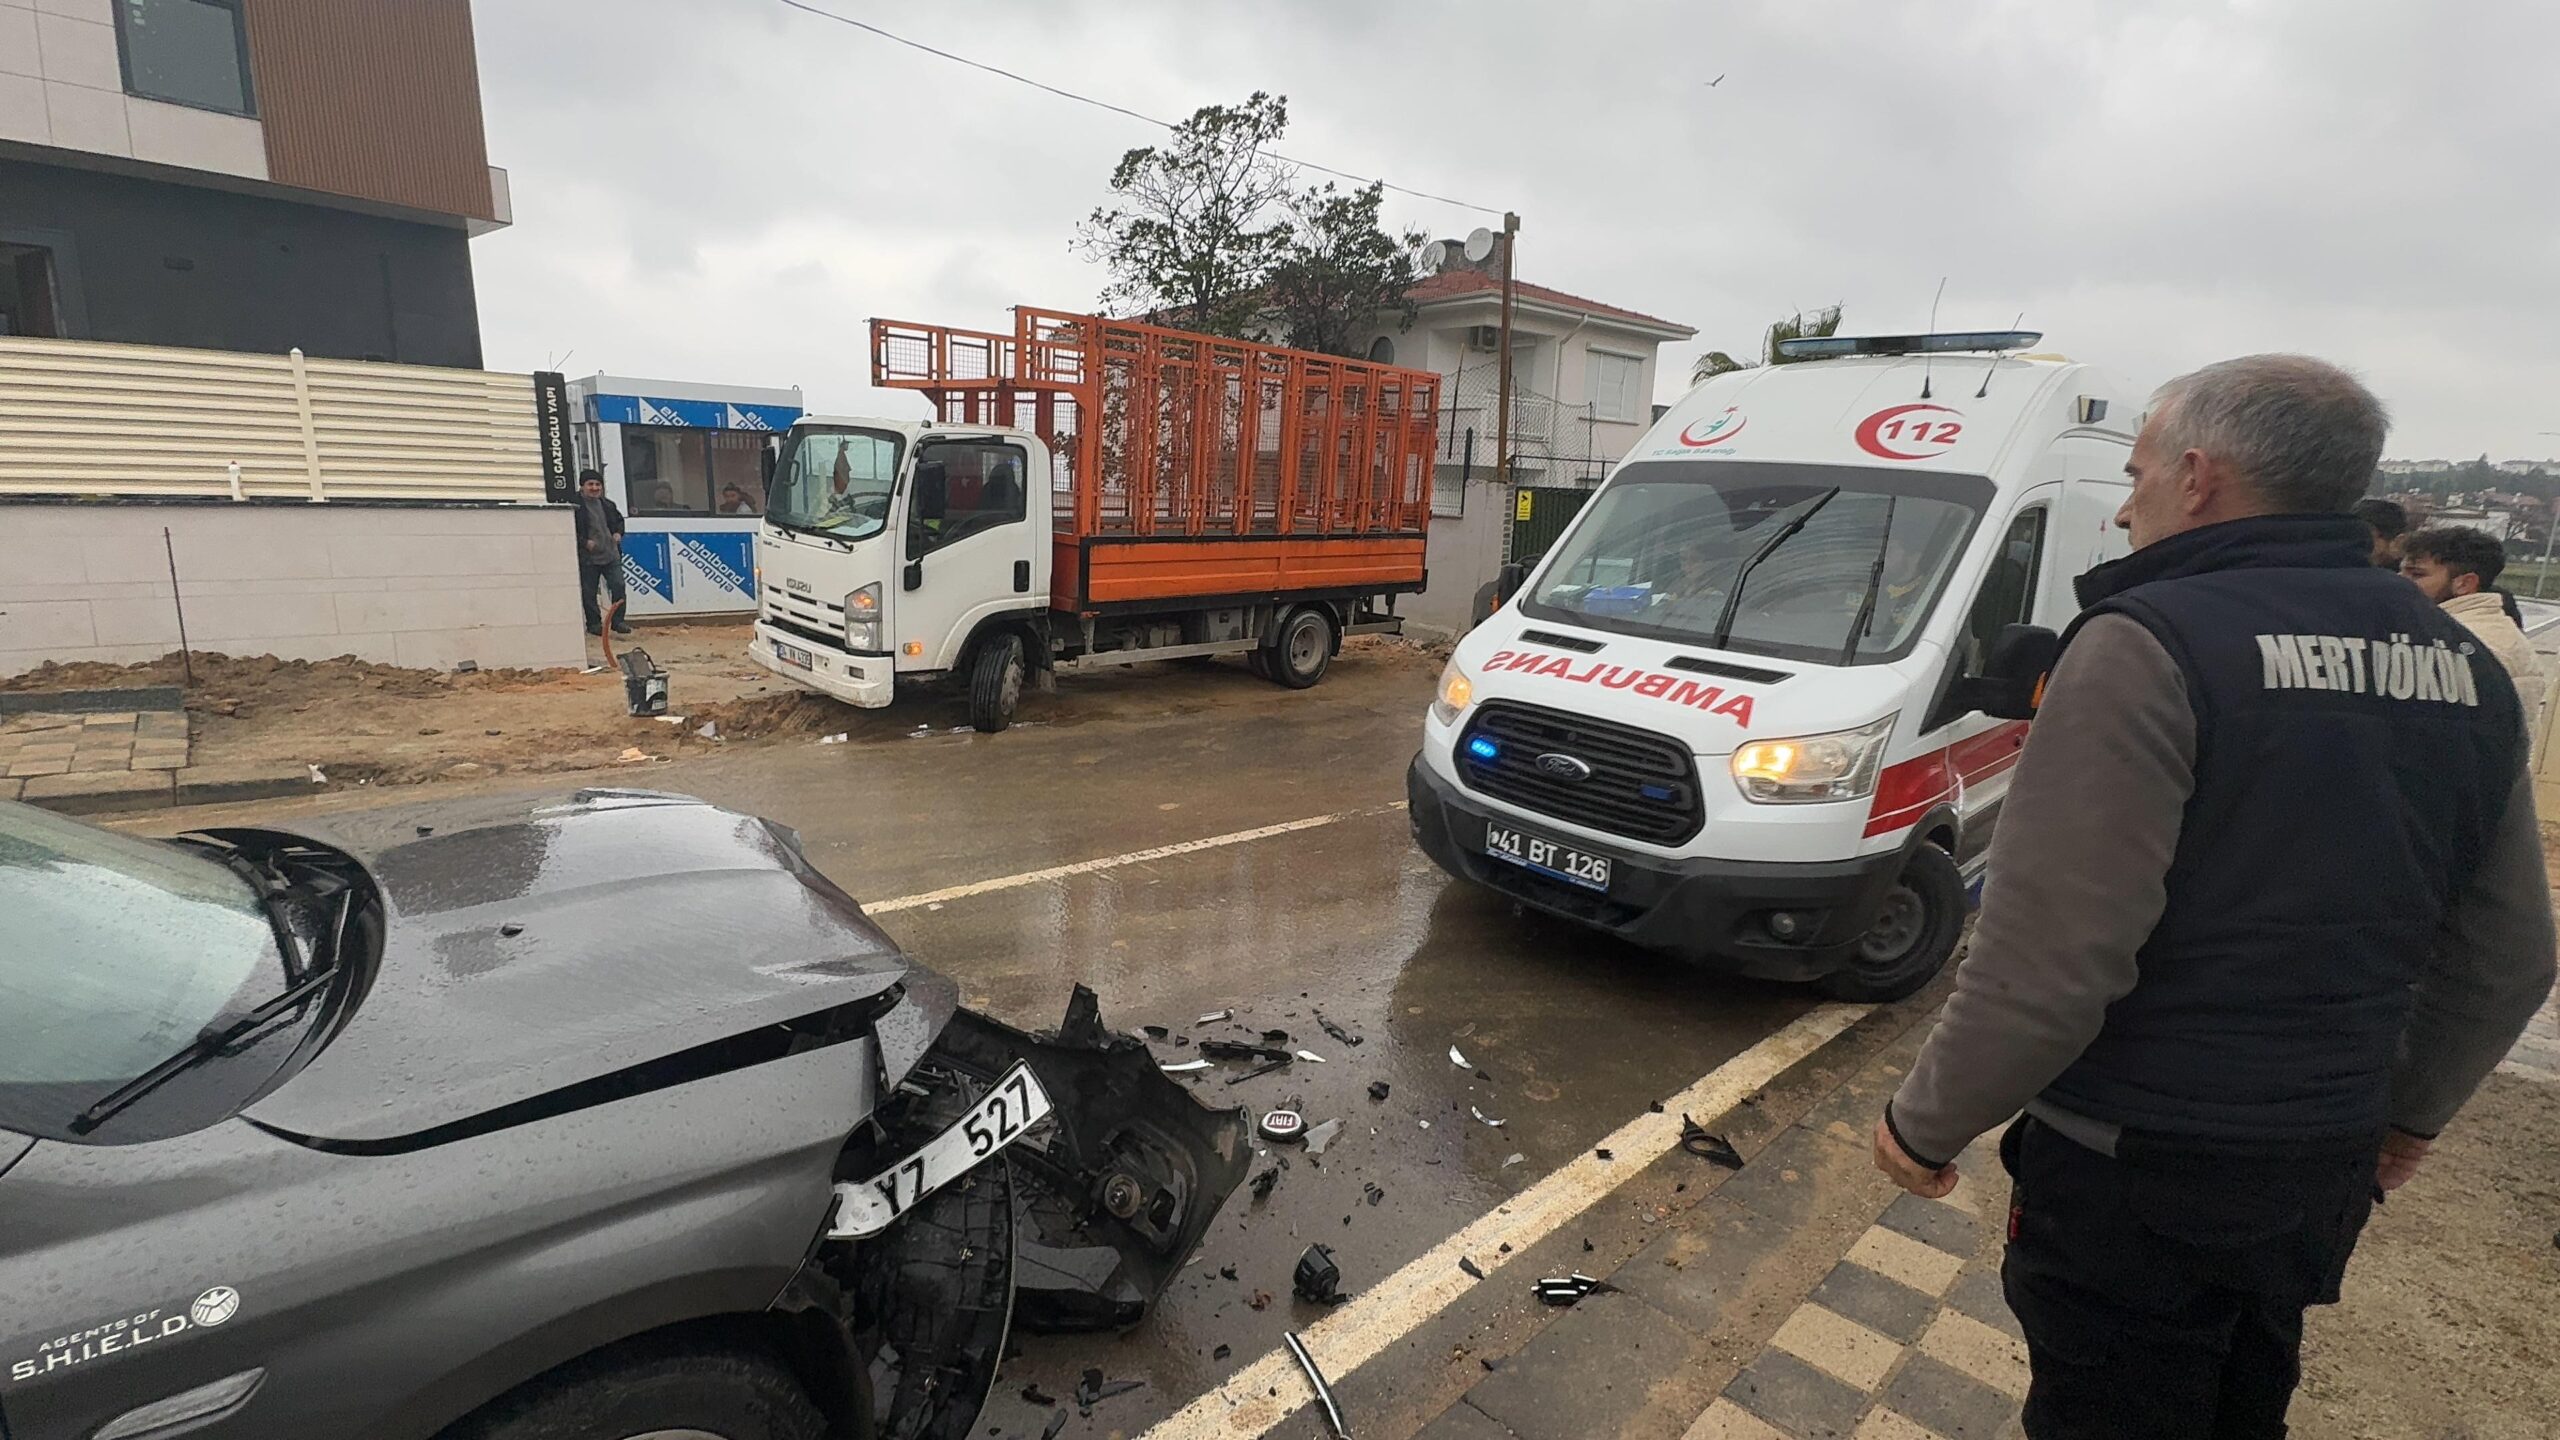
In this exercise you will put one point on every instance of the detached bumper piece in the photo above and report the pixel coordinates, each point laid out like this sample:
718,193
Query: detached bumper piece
1075,1222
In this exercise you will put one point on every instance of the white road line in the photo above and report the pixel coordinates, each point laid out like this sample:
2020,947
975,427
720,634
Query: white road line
1114,862
1262,1394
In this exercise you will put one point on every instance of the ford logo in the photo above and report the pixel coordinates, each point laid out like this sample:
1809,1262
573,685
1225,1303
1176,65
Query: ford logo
1563,766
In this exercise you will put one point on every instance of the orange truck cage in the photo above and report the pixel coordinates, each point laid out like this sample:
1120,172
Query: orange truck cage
1193,467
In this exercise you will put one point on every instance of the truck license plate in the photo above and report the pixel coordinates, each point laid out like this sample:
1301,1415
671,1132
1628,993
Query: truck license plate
794,655
1560,862
1011,1106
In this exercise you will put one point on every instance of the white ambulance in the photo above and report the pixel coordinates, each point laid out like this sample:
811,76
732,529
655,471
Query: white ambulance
1758,706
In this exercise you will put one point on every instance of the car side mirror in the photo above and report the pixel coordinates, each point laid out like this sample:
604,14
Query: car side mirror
2011,684
1508,580
914,579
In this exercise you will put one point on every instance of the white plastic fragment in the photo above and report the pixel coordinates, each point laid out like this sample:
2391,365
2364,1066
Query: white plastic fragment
1489,1120
1185,1065
837,738
318,776
1458,1060
1214,1016
1322,1135
1512,1159
1311,1055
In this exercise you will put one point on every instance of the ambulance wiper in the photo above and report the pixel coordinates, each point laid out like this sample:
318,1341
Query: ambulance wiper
1866,618
1741,577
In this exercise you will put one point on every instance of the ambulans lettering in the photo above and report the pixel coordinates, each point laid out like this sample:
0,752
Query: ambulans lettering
2396,668
127,1332
1713,699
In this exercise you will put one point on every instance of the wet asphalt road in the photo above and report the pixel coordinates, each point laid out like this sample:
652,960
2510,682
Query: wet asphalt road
1573,1034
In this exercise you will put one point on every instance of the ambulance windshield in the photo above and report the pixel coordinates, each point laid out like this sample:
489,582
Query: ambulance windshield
1669,551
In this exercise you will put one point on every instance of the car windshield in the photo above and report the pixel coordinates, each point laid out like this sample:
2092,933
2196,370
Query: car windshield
1664,548
119,951
834,480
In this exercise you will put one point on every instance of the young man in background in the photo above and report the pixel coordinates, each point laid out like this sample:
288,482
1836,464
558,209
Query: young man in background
2458,567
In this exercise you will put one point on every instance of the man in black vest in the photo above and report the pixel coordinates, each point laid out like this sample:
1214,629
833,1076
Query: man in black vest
2266,905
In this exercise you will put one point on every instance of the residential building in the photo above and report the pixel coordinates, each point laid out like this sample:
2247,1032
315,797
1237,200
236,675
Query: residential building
1582,381
246,175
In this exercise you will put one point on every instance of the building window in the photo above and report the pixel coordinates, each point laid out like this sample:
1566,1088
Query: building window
1616,385
671,470
30,297
187,52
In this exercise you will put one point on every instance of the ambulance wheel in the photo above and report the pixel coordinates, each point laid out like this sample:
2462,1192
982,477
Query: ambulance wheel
995,683
1305,650
1913,934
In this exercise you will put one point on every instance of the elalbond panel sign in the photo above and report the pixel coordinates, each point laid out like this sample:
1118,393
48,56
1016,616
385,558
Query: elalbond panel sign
693,414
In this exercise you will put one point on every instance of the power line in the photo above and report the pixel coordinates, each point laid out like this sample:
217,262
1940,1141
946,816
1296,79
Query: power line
1019,79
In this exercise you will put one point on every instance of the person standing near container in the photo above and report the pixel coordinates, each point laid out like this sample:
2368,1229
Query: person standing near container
2266,905
599,552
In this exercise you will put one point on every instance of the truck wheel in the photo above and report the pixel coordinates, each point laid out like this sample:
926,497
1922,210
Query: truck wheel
1912,936
646,1389
995,683
1305,650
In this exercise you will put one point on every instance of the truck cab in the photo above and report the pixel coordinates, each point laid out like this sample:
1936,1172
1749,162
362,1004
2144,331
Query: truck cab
1758,706
891,548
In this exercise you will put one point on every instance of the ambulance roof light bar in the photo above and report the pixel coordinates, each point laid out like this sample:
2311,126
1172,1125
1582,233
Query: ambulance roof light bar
1832,347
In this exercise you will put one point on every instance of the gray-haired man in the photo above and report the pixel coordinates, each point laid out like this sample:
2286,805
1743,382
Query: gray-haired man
2266,905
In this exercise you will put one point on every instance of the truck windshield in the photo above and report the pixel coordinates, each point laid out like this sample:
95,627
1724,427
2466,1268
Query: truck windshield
834,480
120,951
1666,550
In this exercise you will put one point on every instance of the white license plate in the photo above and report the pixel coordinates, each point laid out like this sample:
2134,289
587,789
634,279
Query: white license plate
1561,862
1011,1106
794,655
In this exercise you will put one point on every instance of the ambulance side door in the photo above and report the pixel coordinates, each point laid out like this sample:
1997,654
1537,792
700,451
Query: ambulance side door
2014,589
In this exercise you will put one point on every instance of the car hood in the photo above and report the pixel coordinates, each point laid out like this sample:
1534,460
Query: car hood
529,949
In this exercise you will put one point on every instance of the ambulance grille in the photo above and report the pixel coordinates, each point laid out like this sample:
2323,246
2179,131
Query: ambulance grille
1642,785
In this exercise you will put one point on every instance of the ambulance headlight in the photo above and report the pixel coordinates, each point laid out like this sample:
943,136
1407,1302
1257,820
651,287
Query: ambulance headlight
862,618
1842,765
1455,694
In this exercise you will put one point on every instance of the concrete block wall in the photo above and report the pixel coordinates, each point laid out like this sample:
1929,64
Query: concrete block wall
422,586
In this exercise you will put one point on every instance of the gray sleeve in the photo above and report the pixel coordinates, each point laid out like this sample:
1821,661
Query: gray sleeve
2079,869
2489,970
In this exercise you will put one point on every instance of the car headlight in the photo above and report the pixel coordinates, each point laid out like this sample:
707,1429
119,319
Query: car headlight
862,618
1842,765
1456,692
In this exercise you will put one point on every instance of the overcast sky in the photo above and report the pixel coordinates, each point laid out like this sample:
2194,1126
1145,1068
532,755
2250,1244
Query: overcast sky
725,190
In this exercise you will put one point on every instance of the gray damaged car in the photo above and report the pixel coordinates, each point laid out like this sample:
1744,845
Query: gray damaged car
607,1119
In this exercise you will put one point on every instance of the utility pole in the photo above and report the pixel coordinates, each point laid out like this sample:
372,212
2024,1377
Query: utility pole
1502,401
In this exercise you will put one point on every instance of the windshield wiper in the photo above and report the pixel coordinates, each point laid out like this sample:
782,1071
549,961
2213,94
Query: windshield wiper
306,975
1733,597
1865,620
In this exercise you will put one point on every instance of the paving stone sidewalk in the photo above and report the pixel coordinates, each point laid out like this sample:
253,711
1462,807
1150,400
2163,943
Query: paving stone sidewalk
1820,1301
122,760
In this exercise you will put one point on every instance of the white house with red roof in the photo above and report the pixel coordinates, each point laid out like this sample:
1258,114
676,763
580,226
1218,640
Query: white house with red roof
1582,378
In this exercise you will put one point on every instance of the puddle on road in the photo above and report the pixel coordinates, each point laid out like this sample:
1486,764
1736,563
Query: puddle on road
1573,1035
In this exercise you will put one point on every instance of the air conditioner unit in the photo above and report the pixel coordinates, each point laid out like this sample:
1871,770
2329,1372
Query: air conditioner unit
1484,337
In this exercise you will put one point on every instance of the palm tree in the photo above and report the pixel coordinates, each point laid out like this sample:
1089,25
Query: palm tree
1802,325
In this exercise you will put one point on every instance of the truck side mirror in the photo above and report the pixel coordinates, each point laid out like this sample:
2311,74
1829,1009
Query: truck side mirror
915,575
1508,580
2011,684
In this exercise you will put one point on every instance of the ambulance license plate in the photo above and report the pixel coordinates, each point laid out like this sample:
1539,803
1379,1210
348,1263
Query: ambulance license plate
794,655
1559,862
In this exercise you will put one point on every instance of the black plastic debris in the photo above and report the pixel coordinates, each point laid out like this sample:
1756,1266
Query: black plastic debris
1714,1149
1470,1267
1588,1247
1263,1183
1489,1366
1319,1280
1315,1377
1093,1389
1604,1154
1569,1289
1057,1422
1378,1090
1228,1272
1340,1035
1275,1037
1222,1352
1157,1032
1655,1108
1370,1192
1034,1395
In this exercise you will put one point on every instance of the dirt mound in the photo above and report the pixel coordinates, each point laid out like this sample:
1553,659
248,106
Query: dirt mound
265,679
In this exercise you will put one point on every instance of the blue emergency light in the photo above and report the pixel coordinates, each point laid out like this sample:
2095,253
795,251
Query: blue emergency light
1832,347
1483,749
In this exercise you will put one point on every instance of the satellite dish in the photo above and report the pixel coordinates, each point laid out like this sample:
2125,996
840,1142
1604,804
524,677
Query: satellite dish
1435,255
1479,244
